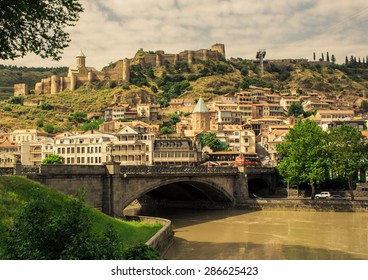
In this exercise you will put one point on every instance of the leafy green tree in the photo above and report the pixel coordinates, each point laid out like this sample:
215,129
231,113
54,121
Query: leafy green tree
349,152
36,26
174,118
53,159
304,155
296,109
50,128
210,140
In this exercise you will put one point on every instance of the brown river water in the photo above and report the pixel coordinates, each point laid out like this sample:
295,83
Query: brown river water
264,235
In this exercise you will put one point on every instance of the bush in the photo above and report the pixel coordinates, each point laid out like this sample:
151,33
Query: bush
45,231
46,106
141,252
166,130
16,100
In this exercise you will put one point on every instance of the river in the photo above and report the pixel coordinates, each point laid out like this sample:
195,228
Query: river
264,235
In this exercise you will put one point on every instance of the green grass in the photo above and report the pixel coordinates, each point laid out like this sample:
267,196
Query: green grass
16,192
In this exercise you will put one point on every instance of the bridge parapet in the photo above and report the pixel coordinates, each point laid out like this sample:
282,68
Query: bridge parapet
260,170
187,170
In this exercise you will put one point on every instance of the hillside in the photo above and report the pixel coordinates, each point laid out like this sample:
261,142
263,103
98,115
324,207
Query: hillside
10,75
17,192
161,84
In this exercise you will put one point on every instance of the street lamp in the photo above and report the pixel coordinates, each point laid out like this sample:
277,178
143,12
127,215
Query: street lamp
110,148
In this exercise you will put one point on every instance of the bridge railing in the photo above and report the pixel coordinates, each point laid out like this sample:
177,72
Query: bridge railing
30,169
6,171
142,169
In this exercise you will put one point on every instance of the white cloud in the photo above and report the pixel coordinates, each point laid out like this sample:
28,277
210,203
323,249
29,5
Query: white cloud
115,29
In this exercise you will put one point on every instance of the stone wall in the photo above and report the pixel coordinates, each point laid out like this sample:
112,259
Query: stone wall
318,205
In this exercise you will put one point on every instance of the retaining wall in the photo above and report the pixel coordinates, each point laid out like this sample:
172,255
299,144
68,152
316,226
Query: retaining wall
163,239
321,205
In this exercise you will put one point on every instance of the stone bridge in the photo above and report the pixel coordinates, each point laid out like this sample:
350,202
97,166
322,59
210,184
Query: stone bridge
112,187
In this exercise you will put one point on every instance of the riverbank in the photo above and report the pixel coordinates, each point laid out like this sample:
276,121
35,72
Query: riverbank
163,239
318,205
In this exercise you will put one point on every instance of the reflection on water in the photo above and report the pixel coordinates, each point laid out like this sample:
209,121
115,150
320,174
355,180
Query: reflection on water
275,235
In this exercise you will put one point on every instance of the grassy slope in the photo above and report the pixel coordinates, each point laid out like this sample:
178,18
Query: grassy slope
15,192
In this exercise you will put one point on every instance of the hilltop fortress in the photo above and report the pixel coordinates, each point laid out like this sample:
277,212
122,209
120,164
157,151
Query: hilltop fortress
80,74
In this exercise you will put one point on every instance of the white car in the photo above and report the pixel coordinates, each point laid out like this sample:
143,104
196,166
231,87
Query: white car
322,195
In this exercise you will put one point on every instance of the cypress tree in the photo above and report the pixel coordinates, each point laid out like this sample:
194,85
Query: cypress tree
333,59
328,57
346,60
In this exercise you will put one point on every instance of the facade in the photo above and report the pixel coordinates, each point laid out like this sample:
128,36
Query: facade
90,149
33,152
176,151
133,146
8,151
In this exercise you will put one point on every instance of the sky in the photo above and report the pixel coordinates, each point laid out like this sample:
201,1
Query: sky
109,30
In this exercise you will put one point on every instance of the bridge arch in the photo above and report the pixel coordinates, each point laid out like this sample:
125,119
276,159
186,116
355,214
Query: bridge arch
259,186
205,192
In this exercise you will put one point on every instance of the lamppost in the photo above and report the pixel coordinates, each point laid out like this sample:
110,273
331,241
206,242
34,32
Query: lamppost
110,148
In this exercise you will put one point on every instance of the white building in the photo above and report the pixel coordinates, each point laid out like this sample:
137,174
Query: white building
91,148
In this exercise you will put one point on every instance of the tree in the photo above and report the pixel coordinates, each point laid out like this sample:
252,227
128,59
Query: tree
295,109
349,152
333,59
304,156
53,159
364,106
210,140
36,26
314,56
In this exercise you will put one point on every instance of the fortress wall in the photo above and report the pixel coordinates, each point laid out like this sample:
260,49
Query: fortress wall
169,58
150,59
20,89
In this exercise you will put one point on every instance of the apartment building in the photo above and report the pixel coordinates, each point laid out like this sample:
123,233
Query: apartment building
148,112
133,146
34,151
8,150
237,139
176,151
89,148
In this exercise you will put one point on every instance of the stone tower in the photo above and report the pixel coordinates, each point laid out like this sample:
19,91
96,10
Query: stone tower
126,70
220,48
200,116
81,60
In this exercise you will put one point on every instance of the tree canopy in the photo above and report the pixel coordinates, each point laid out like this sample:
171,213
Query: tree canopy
349,152
36,26
53,159
209,139
304,155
